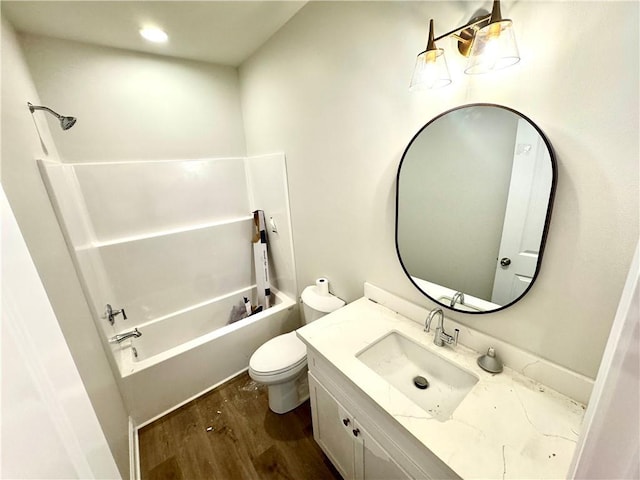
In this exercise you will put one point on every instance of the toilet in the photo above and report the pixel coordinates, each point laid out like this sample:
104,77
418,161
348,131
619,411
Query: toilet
281,363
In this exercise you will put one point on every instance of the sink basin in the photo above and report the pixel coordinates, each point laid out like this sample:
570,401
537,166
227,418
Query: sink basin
399,360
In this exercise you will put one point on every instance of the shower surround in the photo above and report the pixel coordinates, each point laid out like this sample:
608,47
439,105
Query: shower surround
170,243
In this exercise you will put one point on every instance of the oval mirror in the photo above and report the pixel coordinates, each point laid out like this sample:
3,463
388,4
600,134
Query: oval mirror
474,194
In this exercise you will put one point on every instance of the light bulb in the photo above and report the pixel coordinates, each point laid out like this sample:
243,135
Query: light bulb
494,47
431,70
154,35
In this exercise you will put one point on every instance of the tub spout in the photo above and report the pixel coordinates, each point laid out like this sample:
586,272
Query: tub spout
135,333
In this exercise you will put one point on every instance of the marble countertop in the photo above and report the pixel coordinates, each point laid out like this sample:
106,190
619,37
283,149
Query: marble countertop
508,426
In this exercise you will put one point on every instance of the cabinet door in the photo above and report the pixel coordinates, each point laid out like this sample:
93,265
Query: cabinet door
372,461
332,429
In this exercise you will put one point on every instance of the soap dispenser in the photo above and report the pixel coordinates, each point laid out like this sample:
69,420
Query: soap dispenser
490,361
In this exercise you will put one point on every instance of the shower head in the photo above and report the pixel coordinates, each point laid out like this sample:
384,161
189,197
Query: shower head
65,122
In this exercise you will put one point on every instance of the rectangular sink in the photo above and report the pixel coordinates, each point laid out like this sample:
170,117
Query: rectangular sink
398,360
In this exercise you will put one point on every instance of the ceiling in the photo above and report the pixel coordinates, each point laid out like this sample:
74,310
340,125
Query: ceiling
222,32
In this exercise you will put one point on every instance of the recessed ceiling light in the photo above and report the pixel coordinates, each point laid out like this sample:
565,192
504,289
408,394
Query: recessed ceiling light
154,35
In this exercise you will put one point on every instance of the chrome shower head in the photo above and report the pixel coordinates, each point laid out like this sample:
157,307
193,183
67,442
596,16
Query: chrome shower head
65,122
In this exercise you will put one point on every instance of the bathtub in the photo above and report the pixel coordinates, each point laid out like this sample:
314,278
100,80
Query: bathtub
185,354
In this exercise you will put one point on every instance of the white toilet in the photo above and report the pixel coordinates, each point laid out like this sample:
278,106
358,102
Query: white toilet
281,363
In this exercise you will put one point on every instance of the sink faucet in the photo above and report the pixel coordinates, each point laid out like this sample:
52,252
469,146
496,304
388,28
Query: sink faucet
458,297
440,337
121,337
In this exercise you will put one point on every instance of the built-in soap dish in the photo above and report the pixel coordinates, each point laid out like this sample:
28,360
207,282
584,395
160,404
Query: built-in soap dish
490,361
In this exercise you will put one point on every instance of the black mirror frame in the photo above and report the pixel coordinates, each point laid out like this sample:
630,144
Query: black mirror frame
543,240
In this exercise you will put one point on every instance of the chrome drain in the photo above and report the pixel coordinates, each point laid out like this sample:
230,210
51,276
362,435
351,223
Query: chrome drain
420,382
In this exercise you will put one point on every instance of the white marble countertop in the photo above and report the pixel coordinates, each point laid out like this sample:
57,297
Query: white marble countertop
508,426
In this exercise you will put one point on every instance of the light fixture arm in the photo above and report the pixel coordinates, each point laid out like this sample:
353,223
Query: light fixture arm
472,23
494,16
465,33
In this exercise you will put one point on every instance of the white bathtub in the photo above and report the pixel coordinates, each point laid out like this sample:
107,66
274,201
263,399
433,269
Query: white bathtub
183,355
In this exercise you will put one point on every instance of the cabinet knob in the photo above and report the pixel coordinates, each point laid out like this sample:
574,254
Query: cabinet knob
356,432
346,422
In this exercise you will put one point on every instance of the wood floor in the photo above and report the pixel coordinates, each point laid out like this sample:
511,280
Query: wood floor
230,433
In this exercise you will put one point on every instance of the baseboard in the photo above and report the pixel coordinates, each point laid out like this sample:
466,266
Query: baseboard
134,452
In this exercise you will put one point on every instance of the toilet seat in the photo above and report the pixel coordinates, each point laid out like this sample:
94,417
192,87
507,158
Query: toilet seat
279,358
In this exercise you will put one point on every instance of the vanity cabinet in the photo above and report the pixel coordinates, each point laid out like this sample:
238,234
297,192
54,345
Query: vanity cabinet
361,441
353,451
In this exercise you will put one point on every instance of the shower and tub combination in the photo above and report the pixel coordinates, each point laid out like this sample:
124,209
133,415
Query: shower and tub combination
163,250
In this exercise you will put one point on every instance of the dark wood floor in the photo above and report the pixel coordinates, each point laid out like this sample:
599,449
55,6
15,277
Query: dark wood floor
230,433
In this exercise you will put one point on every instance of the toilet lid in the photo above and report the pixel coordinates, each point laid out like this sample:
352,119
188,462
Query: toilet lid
279,354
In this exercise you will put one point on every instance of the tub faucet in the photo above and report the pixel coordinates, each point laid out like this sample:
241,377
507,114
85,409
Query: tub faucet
440,337
121,337
458,297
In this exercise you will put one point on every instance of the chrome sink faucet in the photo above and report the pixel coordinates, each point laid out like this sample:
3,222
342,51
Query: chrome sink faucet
458,297
440,337
121,337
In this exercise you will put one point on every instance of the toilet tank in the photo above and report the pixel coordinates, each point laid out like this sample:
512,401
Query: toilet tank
317,302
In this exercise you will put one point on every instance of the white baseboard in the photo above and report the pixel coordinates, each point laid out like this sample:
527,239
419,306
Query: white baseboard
134,451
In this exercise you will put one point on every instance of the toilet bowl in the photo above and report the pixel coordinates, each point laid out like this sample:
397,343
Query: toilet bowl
281,363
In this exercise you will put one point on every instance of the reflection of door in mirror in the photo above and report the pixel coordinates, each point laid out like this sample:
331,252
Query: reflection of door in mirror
524,216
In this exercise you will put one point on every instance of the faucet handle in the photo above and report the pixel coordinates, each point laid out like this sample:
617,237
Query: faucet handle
110,313
446,338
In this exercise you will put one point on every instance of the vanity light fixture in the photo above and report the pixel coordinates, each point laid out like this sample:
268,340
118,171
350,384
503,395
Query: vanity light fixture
154,34
488,40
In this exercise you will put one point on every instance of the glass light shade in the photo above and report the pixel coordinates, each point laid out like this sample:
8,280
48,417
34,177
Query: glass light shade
494,47
431,71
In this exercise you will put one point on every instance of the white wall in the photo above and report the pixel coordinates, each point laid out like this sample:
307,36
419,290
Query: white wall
48,428
611,426
25,138
269,191
176,234
331,90
134,106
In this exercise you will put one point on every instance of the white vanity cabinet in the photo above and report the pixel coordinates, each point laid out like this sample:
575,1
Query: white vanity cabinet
349,446
507,426
362,442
